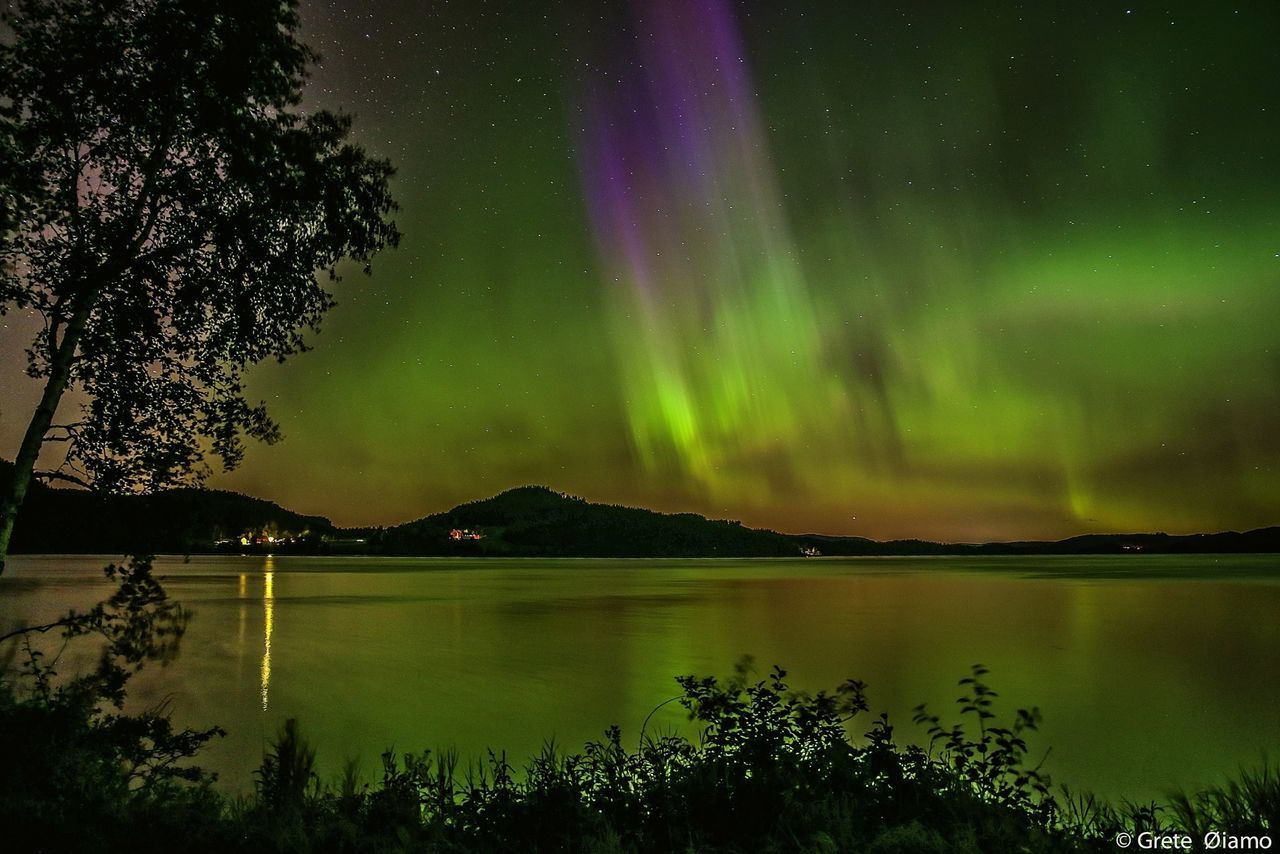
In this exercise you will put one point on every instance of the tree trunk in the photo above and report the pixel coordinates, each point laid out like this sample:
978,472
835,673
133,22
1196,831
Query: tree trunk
33,439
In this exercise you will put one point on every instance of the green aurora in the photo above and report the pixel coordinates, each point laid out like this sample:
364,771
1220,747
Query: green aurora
868,268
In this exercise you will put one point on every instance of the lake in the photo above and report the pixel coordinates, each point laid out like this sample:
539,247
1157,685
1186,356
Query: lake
1152,671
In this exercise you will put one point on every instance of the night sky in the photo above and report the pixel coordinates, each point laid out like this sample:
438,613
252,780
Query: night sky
980,271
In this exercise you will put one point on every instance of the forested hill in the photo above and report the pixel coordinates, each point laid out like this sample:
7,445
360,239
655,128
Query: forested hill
534,521
174,521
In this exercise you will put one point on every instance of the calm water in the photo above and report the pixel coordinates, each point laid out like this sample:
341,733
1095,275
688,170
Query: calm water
1152,672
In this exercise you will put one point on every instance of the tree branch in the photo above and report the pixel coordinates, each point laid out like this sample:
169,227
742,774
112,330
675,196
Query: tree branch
170,252
47,627
146,199
57,475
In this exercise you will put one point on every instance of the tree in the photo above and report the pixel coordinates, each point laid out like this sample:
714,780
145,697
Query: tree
176,211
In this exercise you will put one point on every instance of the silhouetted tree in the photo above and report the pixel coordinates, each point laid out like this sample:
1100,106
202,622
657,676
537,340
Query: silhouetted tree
172,210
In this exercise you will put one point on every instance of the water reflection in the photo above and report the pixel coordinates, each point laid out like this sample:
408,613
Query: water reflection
242,613
422,654
268,618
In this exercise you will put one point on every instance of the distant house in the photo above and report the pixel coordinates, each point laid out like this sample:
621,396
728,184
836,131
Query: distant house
261,538
465,534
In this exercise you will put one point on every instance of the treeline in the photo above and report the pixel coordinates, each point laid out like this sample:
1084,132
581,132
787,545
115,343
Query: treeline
173,521
1259,541
530,521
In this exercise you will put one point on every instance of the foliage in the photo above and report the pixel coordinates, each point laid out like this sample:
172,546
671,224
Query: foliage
172,209
77,768
993,761
1246,803
771,769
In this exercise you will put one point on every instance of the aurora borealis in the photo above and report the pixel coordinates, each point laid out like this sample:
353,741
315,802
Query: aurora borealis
888,269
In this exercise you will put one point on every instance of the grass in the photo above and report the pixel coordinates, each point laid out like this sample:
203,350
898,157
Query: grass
769,769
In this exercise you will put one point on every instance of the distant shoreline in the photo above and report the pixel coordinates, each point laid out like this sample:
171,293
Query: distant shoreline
529,521
496,558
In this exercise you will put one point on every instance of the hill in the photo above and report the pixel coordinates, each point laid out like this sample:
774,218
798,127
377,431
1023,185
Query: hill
534,521
171,521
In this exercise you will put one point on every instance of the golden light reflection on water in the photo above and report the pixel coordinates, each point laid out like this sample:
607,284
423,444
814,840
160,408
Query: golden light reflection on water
1126,656
243,617
268,616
